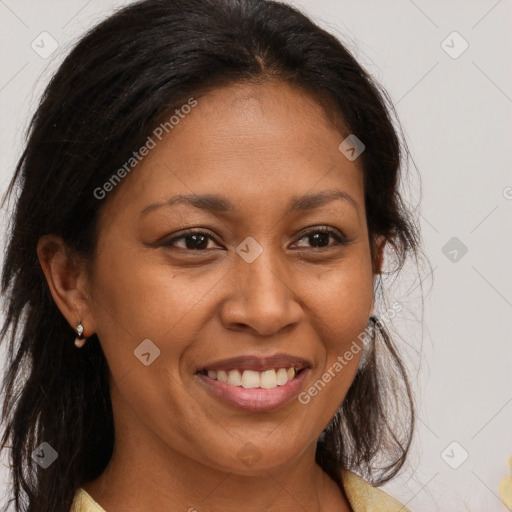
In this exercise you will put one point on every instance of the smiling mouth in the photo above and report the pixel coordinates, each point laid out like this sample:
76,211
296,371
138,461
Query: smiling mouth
249,379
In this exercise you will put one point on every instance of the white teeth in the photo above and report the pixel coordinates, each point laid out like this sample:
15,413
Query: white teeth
250,379
235,378
266,379
282,376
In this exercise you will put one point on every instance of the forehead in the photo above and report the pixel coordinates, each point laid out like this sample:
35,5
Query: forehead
274,114
256,142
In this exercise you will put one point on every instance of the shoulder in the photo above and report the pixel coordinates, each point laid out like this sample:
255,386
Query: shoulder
364,497
84,503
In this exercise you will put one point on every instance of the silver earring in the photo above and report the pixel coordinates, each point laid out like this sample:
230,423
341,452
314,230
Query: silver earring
80,338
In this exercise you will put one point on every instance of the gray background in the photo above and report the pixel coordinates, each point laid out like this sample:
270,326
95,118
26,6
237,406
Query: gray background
456,114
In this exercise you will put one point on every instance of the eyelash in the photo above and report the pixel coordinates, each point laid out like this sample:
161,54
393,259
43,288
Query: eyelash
340,238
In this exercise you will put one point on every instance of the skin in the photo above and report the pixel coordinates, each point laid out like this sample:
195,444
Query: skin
176,445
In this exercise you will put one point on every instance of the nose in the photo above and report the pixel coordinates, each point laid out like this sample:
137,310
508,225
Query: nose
261,297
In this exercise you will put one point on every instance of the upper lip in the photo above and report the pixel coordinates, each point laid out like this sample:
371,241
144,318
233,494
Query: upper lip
258,363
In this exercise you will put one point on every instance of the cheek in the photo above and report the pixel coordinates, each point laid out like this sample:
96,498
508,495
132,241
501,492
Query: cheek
134,295
341,300
135,301
136,298
342,303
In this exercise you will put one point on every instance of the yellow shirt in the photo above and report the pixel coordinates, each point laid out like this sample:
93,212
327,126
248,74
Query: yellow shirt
361,495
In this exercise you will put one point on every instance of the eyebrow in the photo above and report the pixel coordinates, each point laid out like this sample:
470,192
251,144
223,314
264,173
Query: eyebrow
220,205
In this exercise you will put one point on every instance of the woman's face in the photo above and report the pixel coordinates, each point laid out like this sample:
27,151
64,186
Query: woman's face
239,267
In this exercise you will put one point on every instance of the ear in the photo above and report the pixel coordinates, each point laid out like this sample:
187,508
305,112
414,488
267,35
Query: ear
68,282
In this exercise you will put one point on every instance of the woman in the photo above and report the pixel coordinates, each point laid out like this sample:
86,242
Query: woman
206,195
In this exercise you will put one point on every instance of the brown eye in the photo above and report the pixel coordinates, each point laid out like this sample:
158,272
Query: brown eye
193,241
319,237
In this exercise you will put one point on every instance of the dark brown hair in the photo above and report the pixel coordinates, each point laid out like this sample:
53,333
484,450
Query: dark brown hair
101,104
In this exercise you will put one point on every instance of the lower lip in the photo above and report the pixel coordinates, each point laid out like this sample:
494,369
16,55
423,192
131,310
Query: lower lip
255,399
